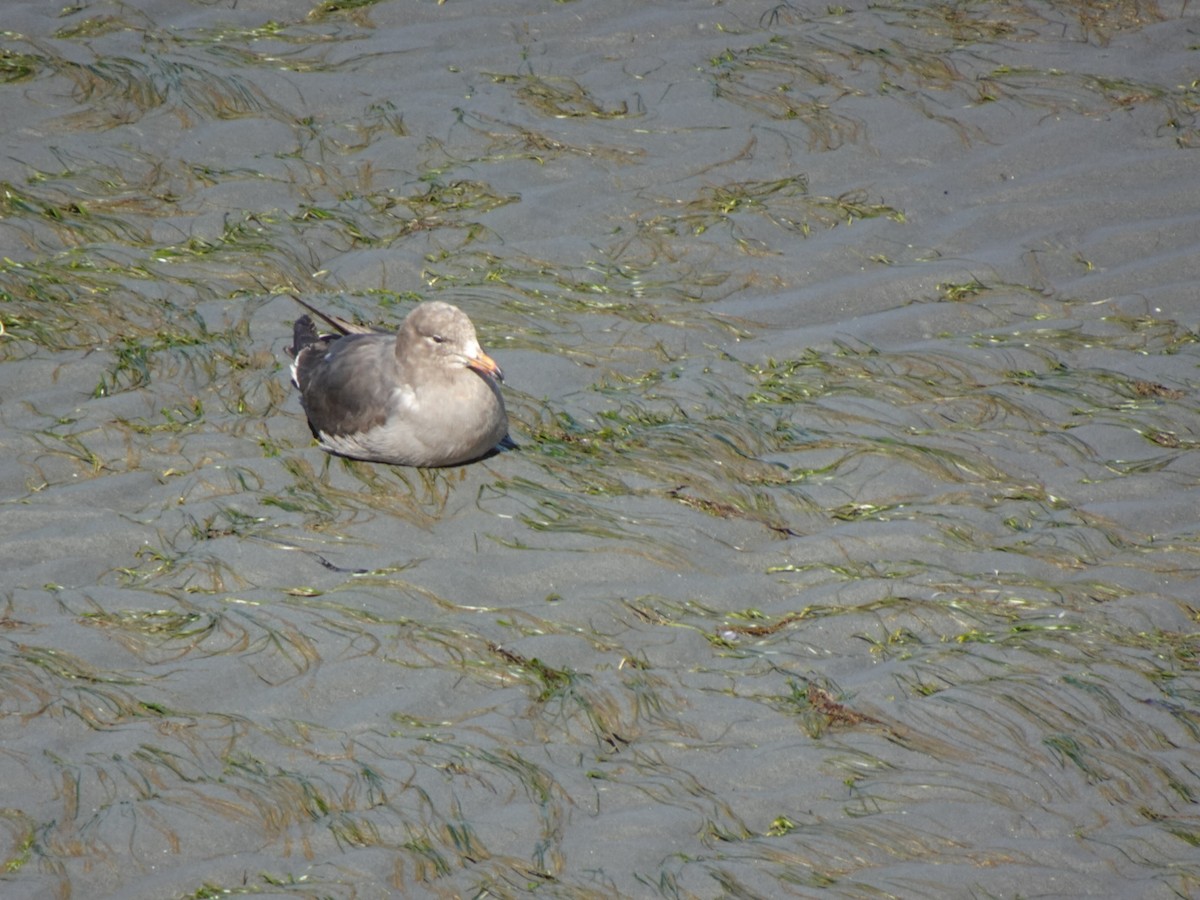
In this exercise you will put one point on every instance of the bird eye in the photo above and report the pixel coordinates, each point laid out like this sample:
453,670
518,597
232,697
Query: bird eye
437,339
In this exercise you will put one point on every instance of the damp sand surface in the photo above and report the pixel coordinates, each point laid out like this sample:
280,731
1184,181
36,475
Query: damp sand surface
850,546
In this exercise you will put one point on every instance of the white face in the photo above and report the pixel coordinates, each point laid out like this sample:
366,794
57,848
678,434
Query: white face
472,350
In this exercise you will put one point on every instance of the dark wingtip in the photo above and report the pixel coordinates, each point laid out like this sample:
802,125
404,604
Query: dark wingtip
338,324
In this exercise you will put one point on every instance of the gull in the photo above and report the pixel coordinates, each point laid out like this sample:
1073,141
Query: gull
426,395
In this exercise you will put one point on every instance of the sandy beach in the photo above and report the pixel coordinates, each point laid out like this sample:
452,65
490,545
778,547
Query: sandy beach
850,543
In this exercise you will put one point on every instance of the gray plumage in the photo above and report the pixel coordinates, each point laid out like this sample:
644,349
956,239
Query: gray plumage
426,395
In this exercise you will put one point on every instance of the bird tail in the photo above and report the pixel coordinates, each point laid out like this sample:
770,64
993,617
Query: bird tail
304,335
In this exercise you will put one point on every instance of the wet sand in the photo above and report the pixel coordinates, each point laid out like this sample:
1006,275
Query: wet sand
849,547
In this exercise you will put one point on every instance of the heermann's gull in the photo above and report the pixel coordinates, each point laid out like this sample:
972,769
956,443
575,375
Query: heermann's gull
424,396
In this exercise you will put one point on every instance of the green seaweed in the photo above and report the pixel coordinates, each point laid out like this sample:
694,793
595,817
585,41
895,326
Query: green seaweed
560,97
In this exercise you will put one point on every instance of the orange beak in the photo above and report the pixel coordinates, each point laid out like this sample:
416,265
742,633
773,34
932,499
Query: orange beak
485,365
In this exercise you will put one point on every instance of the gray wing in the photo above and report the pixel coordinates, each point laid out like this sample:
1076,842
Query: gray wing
347,385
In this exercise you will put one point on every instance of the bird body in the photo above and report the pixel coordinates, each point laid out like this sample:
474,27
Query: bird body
426,395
